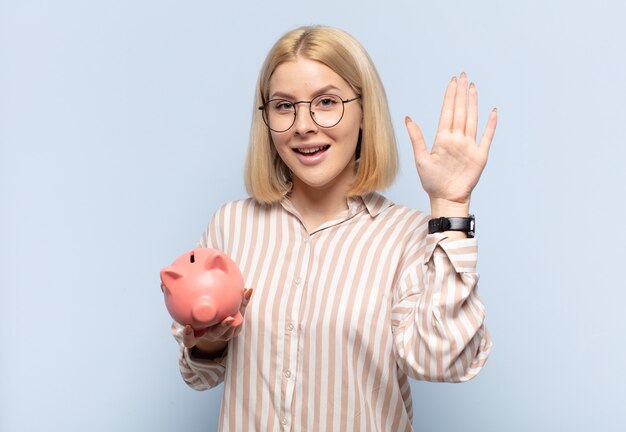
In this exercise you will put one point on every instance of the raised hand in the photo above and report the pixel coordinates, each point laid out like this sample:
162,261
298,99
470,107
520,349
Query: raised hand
450,171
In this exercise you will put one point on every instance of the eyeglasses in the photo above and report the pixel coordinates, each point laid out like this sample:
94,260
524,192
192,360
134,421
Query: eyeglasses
326,111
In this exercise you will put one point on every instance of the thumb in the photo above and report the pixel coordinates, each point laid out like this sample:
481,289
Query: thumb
189,338
417,139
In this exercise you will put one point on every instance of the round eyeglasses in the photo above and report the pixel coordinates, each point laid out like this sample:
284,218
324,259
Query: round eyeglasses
326,111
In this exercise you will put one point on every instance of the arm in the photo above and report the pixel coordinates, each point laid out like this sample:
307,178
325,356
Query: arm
202,366
438,318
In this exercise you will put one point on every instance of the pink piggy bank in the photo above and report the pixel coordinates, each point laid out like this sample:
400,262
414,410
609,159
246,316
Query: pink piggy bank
202,288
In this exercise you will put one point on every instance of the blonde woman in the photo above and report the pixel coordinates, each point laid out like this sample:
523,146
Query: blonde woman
353,294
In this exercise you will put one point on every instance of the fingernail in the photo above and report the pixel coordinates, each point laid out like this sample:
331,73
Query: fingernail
495,110
472,84
463,75
453,79
407,119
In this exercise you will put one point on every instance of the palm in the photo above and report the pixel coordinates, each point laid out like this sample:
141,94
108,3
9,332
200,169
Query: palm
451,169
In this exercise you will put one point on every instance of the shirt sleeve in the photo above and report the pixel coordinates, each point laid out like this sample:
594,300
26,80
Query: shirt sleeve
437,315
201,374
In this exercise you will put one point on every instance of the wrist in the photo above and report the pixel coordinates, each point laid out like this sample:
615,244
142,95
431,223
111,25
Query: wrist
208,350
445,208
452,226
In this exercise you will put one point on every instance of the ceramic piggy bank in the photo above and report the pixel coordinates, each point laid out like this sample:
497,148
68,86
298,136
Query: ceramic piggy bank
202,288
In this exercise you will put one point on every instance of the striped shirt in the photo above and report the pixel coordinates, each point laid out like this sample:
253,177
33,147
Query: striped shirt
341,317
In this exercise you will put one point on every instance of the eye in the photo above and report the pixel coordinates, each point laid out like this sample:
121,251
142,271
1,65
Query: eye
281,106
327,102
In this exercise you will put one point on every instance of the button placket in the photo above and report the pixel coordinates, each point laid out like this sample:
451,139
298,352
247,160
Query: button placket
291,359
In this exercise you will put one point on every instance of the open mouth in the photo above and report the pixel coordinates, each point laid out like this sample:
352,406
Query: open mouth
312,151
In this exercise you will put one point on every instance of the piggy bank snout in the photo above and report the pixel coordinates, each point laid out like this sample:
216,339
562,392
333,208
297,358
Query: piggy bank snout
204,311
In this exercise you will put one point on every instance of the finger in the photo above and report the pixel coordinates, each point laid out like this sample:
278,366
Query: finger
225,330
216,332
447,109
417,139
246,296
238,318
189,340
490,130
472,113
460,100
227,322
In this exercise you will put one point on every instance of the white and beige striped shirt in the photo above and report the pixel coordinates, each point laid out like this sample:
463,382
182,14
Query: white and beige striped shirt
340,317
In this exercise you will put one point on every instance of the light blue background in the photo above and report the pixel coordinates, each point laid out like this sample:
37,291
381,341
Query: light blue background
124,125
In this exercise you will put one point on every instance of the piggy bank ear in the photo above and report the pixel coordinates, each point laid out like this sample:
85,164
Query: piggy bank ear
216,262
169,275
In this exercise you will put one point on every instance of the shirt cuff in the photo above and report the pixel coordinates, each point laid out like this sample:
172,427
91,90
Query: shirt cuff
462,253
196,362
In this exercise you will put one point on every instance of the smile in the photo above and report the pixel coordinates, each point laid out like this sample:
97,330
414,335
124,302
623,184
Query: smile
311,150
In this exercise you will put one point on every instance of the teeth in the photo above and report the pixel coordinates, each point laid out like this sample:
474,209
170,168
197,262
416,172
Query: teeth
310,150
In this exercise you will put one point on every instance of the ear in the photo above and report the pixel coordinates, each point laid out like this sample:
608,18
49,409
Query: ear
216,262
169,275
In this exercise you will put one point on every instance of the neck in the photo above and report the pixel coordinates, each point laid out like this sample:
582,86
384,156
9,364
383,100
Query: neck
318,205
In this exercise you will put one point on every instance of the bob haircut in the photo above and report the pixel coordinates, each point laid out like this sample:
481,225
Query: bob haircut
267,178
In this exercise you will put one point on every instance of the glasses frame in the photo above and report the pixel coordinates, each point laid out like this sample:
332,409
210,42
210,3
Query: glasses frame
310,102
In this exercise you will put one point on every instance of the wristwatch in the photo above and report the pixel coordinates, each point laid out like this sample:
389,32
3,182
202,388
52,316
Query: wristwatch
465,224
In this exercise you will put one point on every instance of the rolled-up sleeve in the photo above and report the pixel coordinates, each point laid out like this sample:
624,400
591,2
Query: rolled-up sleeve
437,315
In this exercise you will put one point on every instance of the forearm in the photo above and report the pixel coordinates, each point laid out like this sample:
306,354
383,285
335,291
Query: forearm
440,335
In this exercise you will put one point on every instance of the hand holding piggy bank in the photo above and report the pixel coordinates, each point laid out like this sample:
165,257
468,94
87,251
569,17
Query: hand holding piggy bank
202,288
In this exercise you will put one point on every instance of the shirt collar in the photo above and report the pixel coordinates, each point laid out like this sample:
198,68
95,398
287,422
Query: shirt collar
373,202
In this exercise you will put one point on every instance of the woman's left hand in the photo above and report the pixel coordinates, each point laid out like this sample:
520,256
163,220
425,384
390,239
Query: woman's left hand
450,171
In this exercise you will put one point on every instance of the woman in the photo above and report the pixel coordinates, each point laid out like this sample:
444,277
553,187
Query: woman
352,295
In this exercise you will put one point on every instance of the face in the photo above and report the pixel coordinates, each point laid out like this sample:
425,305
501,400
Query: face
319,158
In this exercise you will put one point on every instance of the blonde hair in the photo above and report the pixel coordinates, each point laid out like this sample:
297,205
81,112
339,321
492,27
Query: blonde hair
267,178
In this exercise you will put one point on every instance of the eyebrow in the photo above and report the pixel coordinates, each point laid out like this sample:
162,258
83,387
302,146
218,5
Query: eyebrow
318,92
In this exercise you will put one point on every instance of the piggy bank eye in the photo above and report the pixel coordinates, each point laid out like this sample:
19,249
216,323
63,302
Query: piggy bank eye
192,258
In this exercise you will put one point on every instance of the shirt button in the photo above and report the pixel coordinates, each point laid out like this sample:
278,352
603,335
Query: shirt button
290,327
288,373
283,421
298,280
306,240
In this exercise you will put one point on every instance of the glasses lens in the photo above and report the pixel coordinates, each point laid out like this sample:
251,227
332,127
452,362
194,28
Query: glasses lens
327,110
279,114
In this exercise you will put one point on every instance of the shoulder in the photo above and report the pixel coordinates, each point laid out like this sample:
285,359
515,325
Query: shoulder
235,211
231,220
406,227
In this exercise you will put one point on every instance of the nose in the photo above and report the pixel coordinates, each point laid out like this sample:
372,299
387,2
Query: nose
304,121
204,311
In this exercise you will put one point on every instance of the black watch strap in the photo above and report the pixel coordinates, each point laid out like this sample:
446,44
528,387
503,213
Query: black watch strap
442,224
